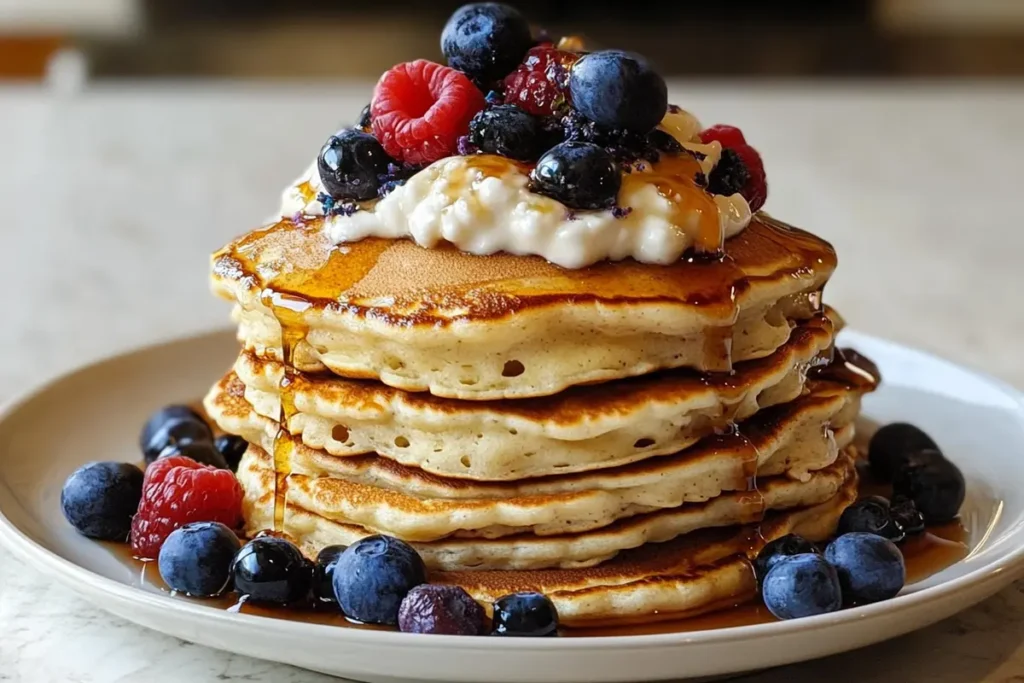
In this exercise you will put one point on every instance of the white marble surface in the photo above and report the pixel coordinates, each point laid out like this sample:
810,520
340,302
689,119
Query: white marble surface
111,199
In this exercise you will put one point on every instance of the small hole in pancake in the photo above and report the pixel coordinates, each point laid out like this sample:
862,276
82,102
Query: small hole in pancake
513,431
466,462
401,442
513,368
643,443
393,363
339,433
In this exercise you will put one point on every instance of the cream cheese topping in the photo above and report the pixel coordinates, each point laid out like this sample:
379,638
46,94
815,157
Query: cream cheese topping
483,205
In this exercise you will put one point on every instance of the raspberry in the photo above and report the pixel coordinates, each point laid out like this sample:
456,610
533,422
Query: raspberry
176,491
541,83
755,189
729,136
420,110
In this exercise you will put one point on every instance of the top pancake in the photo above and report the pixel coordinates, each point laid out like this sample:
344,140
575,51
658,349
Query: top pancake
502,326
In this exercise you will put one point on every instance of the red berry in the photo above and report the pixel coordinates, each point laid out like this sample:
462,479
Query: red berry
755,191
420,110
176,491
541,83
729,136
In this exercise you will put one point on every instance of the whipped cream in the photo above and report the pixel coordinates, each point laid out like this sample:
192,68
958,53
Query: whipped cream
483,205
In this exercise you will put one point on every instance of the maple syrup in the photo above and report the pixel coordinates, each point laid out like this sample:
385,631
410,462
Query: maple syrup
925,555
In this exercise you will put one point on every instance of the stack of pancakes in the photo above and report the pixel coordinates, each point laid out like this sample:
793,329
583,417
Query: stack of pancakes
621,437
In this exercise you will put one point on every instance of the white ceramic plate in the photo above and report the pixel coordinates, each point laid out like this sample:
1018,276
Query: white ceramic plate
96,413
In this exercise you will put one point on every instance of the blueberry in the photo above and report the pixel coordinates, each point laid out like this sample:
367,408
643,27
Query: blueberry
581,175
906,515
525,615
172,425
870,567
196,558
350,164
870,515
663,141
270,569
892,445
486,40
372,577
774,551
618,89
201,451
730,174
231,448
323,585
100,499
801,586
506,130
446,610
935,485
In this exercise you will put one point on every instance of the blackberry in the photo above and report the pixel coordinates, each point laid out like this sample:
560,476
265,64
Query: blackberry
730,174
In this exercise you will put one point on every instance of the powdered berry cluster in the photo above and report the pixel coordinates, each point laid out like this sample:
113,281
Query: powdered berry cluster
505,93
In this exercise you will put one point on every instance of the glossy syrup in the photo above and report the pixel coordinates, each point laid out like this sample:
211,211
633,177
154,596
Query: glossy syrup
925,555
288,312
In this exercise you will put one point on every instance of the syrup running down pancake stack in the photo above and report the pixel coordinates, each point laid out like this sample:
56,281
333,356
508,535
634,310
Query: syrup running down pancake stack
619,414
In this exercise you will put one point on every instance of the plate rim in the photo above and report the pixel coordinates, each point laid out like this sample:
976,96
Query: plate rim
983,580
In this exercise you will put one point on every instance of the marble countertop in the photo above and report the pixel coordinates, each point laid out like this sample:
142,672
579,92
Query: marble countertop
113,196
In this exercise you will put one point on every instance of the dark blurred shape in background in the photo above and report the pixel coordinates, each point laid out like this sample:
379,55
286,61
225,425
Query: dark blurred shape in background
334,38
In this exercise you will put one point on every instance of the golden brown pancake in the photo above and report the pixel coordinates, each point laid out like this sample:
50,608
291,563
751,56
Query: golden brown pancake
501,326
581,429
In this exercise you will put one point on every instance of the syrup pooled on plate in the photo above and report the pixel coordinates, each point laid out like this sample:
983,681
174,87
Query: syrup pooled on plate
925,555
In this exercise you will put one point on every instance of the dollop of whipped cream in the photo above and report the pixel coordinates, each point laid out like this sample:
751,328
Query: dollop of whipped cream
483,205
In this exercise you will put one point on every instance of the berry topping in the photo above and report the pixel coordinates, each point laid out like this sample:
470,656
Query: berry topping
100,498
508,131
935,485
525,615
172,425
581,175
774,551
541,83
350,164
892,445
618,89
447,610
871,515
870,567
365,119
420,109
727,136
323,580
272,570
231,448
203,452
177,491
906,516
730,174
802,586
755,187
485,40
372,577
196,559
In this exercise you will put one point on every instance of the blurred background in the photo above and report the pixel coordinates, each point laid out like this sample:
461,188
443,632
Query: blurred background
258,39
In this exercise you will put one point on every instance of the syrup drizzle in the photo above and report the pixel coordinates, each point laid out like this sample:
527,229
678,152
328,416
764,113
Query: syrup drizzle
287,310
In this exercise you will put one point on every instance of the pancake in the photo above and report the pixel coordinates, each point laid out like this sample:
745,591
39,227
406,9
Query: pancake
530,551
580,429
794,439
502,326
696,573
